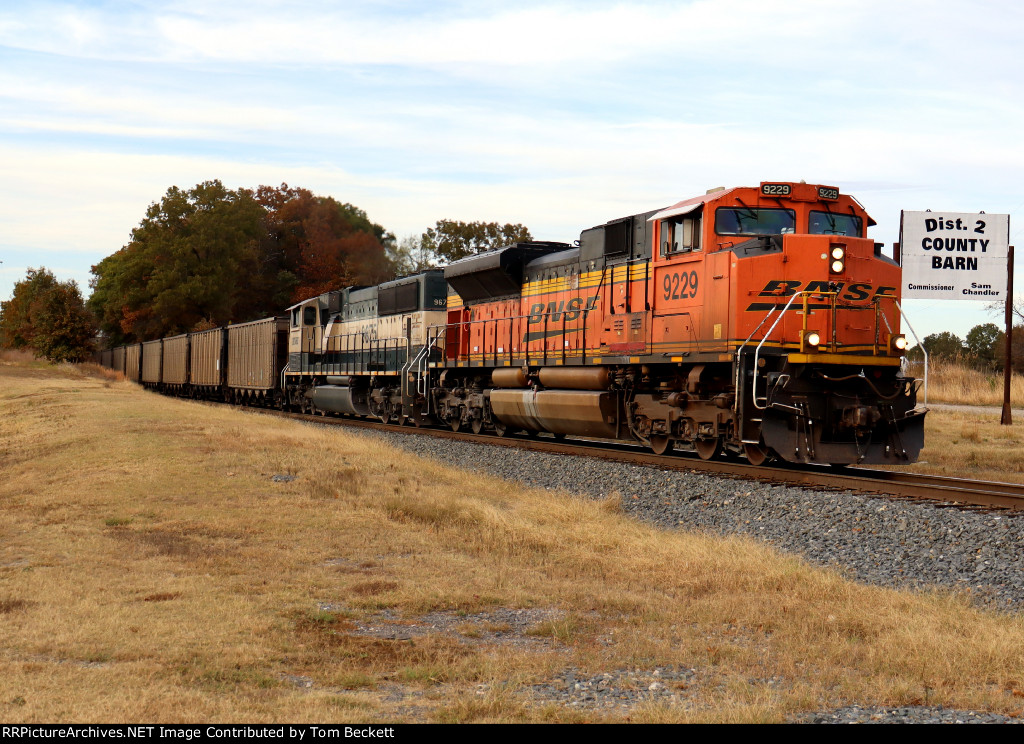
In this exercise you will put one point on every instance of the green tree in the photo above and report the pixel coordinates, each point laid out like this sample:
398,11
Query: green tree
450,240
944,344
48,317
983,342
408,256
17,331
194,257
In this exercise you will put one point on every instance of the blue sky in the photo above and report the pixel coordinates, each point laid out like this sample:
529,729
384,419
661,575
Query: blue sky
557,115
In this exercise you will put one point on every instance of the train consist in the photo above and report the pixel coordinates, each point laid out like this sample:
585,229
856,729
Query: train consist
755,321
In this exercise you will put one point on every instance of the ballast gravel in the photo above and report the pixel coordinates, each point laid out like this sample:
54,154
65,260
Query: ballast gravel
875,540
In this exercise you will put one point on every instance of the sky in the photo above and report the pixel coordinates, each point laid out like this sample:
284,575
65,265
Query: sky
558,115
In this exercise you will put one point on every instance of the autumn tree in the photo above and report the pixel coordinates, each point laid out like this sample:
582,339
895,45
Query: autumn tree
210,256
49,317
318,243
450,240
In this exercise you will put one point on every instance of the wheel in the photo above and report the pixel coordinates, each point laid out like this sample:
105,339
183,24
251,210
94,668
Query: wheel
476,425
708,448
756,454
661,443
455,423
500,429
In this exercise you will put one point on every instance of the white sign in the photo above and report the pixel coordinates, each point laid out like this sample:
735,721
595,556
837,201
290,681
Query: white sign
954,256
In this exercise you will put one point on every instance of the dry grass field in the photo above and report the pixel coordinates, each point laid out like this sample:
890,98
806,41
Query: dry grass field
156,567
955,382
971,443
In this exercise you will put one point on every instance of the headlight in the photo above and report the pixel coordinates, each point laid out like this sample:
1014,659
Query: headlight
838,253
899,342
837,267
809,341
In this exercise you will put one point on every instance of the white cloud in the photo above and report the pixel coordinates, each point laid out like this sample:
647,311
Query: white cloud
559,115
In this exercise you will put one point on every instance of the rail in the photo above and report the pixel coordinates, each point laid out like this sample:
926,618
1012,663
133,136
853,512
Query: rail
940,489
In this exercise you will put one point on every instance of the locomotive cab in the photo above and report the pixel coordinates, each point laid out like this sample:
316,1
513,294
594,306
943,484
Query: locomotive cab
817,326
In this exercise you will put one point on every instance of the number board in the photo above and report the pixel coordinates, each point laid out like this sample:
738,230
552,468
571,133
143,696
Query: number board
827,192
679,285
954,255
776,189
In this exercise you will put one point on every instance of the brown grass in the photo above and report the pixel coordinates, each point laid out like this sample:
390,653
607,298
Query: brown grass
971,444
952,381
152,570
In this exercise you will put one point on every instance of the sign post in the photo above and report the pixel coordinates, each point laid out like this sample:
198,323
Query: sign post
1007,417
960,256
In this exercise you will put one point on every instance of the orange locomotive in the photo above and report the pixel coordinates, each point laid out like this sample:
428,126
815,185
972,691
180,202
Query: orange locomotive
749,320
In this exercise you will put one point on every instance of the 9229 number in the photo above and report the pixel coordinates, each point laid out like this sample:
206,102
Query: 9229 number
680,286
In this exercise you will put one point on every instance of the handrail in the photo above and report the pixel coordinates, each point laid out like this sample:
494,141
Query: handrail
739,350
919,344
757,351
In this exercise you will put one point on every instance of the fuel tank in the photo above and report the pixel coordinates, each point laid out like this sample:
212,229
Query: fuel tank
340,399
578,412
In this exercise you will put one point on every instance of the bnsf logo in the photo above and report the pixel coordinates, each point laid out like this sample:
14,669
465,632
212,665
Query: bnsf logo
853,292
557,312
554,311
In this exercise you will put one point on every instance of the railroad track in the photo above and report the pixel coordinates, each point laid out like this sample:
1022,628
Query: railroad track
942,490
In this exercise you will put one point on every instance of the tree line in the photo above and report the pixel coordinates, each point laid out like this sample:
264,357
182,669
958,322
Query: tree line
209,256
983,348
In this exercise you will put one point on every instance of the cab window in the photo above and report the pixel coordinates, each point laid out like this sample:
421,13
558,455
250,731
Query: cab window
830,223
754,221
680,235
309,316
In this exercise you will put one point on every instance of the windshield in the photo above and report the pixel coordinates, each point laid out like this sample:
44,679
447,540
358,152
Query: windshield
829,223
754,221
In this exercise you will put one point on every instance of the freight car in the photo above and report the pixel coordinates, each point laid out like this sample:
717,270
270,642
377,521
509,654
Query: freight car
759,321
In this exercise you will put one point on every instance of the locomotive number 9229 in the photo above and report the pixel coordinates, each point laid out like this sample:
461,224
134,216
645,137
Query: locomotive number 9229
680,286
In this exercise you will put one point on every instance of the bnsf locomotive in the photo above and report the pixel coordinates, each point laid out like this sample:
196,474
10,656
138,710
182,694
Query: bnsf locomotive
755,321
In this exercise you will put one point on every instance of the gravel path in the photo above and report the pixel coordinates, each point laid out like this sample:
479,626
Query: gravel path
873,540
